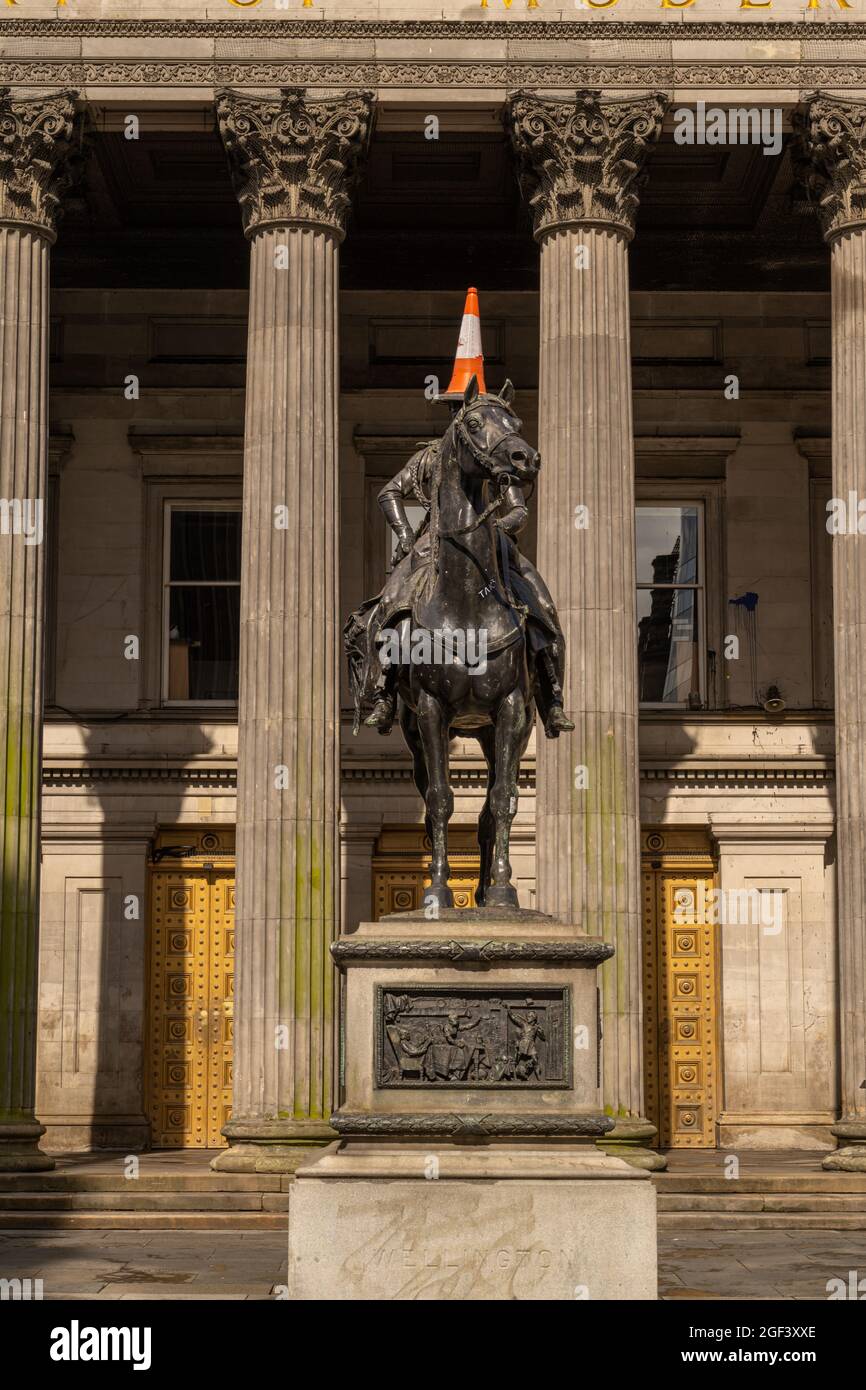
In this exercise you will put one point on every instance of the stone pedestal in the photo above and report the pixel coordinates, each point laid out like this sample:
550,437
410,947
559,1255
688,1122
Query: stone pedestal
293,163
449,1223
467,1166
833,141
580,161
33,175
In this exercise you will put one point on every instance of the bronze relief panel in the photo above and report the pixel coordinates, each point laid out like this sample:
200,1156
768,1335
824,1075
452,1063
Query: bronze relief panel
473,1038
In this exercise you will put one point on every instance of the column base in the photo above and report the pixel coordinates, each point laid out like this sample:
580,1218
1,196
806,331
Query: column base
19,1148
851,1158
270,1146
628,1140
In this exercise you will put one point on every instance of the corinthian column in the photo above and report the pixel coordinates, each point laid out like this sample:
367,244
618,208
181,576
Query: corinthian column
34,144
833,140
293,162
579,161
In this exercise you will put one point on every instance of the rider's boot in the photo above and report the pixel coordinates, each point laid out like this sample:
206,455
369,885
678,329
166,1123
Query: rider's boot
381,716
556,721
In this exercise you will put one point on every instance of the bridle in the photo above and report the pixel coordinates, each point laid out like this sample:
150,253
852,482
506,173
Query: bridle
486,459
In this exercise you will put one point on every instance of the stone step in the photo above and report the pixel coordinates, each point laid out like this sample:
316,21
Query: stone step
222,1221
735,1201
761,1221
777,1182
60,1181
133,1200
143,1221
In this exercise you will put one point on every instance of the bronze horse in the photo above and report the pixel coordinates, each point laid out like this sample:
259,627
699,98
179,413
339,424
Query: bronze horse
462,583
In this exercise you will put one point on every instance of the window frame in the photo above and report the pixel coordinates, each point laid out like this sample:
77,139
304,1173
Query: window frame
195,504
187,468
706,496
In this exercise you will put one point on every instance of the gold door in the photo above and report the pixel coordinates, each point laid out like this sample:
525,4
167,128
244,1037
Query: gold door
680,988
191,995
401,868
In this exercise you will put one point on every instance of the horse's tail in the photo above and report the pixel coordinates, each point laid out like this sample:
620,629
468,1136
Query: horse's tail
355,647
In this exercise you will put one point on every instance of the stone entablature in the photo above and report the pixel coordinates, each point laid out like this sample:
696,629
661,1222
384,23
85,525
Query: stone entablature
392,51
574,20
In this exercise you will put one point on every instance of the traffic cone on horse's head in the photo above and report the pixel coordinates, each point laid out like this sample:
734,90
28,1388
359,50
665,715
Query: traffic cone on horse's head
469,361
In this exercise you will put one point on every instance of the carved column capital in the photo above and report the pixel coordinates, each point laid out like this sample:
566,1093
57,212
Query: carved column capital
832,160
294,161
35,143
580,160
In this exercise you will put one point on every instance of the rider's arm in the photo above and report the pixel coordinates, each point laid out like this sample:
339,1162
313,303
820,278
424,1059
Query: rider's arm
390,499
513,520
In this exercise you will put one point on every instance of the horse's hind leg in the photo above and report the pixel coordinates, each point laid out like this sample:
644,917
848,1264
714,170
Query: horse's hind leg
433,729
486,824
512,735
409,726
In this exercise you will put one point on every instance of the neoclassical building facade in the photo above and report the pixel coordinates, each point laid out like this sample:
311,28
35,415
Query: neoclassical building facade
234,256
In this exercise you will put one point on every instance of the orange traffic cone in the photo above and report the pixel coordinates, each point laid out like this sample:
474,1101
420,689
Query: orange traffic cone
469,361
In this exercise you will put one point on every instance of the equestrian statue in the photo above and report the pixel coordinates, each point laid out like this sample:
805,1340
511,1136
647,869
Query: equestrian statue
464,638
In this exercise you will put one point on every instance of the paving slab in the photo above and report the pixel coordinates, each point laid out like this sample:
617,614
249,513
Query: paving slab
704,1266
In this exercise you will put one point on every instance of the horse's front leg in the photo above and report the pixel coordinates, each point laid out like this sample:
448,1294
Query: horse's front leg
512,732
486,825
433,728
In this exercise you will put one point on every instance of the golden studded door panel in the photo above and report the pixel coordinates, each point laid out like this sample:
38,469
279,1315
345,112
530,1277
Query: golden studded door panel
401,868
680,988
191,998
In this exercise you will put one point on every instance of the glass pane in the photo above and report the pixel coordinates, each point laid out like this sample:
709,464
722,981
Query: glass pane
667,645
667,545
416,514
205,545
204,627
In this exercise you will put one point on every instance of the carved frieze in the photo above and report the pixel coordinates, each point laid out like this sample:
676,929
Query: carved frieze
832,160
497,31
35,149
545,74
294,161
473,1038
580,160
500,1125
581,950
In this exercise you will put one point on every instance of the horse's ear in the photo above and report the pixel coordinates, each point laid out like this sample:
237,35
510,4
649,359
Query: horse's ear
506,395
471,392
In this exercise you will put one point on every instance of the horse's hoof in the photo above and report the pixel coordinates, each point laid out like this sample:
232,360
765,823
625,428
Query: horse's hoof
503,896
438,898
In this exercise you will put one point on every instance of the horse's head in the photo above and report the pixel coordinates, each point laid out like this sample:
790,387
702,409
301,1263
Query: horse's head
486,434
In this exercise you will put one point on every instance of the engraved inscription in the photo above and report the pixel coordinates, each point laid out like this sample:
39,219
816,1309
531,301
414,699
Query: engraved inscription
473,1038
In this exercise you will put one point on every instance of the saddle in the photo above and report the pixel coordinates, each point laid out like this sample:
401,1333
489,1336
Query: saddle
501,614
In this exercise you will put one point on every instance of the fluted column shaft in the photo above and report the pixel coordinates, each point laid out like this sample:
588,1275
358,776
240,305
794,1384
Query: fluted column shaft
849,645
23,463
833,148
288,719
36,135
289,735
588,826
580,161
